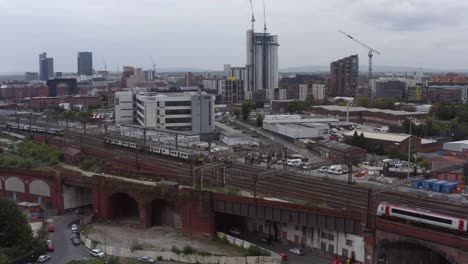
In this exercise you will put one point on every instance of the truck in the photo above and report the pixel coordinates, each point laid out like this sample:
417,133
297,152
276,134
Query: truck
465,192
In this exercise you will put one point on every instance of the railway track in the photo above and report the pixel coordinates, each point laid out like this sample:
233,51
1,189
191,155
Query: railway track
283,184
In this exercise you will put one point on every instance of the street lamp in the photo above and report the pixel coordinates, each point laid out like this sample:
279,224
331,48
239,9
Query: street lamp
409,147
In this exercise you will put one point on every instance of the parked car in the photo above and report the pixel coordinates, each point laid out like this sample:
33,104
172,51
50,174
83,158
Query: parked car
338,172
284,257
323,169
43,258
74,228
297,251
306,166
145,259
97,253
50,227
74,235
265,240
50,246
235,231
76,241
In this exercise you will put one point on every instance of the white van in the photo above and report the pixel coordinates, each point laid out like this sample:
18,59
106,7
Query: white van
294,162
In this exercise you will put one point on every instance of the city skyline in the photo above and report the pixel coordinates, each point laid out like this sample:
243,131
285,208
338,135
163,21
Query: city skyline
408,33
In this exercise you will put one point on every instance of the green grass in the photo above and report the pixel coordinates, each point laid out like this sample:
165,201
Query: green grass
28,155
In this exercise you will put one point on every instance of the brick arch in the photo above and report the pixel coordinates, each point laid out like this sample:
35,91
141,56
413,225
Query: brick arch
123,204
383,244
14,184
39,187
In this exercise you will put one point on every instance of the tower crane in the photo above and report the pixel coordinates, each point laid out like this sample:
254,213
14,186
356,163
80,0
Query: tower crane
252,48
371,54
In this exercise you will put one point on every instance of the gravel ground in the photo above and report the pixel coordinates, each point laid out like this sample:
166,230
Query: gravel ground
158,238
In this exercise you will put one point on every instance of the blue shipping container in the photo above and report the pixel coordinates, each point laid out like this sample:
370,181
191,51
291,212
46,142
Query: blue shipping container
427,184
416,184
437,186
449,187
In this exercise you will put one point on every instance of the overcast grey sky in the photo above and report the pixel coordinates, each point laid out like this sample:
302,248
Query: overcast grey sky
209,33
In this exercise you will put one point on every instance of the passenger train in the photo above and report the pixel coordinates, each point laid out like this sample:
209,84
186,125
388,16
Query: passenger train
163,151
424,217
36,129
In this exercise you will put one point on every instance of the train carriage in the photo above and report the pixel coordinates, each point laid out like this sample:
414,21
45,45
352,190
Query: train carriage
420,216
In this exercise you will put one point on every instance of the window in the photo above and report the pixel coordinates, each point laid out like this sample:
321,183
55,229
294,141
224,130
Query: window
179,112
349,242
331,248
178,103
345,252
116,101
422,216
178,120
324,235
331,237
323,246
157,120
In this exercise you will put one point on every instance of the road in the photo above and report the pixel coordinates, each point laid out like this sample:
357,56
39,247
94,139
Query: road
65,251
279,247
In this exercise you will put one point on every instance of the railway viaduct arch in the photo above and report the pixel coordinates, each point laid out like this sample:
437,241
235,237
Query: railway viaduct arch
397,243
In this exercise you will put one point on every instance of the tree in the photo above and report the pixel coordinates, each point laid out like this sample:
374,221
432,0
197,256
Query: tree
15,231
246,109
443,111
310,100
236,111
260,119
362,101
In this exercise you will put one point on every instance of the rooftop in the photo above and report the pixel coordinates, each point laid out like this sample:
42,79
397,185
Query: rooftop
333,144
300,121
360,109
379,136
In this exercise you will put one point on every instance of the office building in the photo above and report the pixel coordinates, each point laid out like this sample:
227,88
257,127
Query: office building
85,63
31,76
414,94
189,111
131,76
123,103
62,86
46,67
316,90
390,89
344,75
233,91
262,65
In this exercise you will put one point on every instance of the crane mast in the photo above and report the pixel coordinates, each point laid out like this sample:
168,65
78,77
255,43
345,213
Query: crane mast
371,54
252,49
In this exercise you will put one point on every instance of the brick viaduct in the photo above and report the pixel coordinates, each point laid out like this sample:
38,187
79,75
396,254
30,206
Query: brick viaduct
194,211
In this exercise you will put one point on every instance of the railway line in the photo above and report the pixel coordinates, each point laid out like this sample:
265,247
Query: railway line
286,185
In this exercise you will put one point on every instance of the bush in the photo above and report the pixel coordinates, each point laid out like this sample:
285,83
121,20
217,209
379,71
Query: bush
188,250
255,251
159,258
136,246
176,250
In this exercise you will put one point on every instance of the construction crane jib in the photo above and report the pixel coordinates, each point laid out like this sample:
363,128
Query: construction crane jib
371,53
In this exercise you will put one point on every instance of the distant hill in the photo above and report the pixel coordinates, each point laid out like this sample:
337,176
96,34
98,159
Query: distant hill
363,69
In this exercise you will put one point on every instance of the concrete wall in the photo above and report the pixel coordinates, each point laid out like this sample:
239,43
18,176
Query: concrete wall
312,238
74,196
171,256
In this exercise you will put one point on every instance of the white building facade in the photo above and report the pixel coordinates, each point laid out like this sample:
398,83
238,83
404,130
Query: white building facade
190,111
123,107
